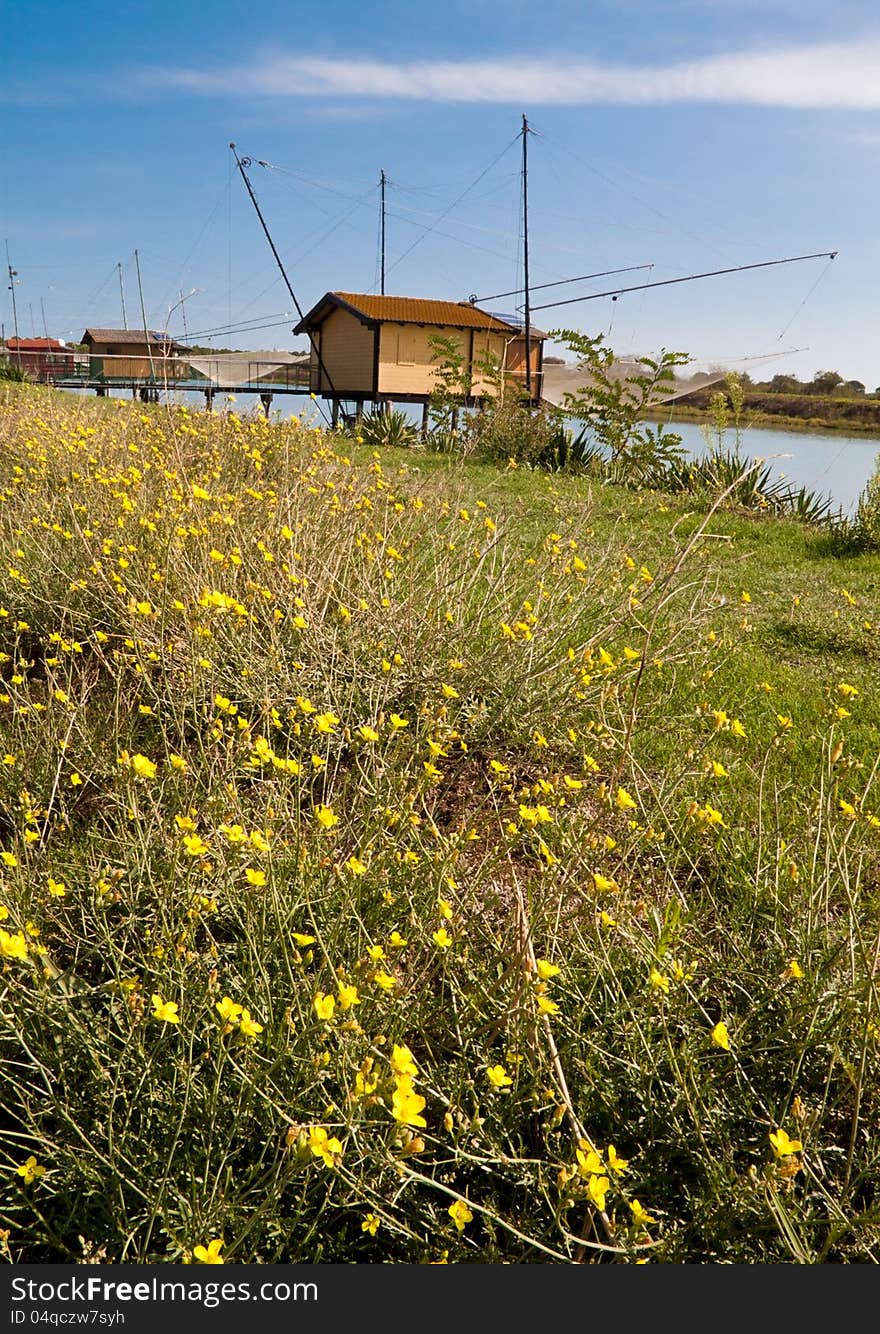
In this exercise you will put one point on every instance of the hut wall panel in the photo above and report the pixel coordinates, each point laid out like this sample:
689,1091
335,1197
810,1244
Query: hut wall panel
347,353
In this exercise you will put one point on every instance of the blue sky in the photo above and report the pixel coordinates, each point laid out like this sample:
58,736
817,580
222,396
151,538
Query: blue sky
685,134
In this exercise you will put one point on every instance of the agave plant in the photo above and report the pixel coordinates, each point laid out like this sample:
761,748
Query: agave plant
392,430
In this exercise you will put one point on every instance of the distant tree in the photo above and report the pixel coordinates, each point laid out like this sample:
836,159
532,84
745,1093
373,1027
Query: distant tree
825,382
855,385
784,384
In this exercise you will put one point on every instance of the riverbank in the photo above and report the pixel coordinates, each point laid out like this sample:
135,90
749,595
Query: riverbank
785,412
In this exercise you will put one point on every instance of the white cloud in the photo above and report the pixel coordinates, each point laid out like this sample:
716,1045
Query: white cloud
842,75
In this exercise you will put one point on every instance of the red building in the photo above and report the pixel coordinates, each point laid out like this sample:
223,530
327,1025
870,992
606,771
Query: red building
43,359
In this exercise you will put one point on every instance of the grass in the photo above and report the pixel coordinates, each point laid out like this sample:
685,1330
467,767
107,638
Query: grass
406,860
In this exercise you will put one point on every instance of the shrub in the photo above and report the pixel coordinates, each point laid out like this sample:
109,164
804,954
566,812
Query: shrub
867,521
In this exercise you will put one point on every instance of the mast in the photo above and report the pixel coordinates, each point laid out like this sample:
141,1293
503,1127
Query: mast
122,297
526,310
382,232
13,275
137,264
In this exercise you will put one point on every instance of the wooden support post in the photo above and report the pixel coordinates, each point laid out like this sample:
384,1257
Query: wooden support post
454,421
101,392
334,412
425,421
209,400
359,411
266,400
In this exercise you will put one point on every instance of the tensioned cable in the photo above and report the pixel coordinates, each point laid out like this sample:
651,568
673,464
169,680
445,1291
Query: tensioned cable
454,204
806,298
689,278
673,222
562,282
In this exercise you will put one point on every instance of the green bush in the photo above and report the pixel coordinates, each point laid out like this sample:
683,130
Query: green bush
868,512
10,371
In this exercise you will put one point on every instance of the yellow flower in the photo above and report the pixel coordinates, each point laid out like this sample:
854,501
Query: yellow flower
460,1214
326,817
324,1146
546,1005
718,769
367,733
210,1254
623,801
228,1010
597,1188
13,946
254,877
165,1010
546,970
793,970
721,1037
403,1061
30,1171
299,938
604,884
737,728
371,1224
640,1214
249,1027
385,981
498,1077
659,981
57,888
783,1147
845,689
442,938
195,845
406,1104
324,1005
347,996
617,1164
143,767
397,940
8,858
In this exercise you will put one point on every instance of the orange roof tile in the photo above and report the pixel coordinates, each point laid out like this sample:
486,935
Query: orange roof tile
411,310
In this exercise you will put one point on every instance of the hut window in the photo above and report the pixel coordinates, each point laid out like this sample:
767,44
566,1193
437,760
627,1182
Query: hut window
407,343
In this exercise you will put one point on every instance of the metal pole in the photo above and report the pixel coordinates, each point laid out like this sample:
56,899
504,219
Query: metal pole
241,163
13,274
526,308
122,296
382,232
43,313
137,265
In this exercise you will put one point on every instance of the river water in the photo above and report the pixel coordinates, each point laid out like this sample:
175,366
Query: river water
832,465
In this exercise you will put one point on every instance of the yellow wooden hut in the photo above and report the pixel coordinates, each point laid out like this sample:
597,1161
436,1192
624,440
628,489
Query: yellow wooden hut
377,349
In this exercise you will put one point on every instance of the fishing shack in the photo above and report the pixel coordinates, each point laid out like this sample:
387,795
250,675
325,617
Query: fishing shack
379,349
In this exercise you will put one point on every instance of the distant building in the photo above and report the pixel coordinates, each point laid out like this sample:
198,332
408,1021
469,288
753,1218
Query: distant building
131,354
43,359
378,349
